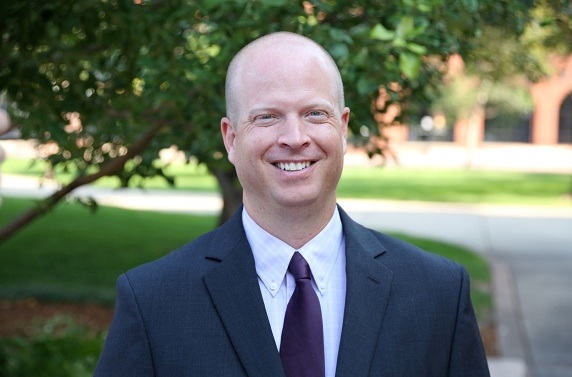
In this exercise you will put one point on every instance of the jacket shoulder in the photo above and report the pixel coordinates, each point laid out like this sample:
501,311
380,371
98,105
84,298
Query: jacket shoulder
192,260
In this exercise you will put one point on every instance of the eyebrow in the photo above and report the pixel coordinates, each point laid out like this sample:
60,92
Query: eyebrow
258,110
320,104
326,105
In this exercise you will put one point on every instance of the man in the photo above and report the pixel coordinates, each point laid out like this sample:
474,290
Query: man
223,304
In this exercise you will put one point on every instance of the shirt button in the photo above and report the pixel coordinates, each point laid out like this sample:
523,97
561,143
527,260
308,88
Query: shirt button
273,286
322,287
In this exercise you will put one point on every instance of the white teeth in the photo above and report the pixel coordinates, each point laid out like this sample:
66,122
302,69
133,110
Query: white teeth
293,166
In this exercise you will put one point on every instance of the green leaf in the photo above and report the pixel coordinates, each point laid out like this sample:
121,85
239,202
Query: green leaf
399,42
339,51
418,49
381,33
405,29
409,64
425,8
340,36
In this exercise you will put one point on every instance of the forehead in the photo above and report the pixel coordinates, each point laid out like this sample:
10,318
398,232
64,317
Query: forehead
277,53
271,69
282,68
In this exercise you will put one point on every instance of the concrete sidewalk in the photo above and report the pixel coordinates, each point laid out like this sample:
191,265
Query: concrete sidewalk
525,245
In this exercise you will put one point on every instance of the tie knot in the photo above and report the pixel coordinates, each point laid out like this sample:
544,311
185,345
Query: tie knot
299,267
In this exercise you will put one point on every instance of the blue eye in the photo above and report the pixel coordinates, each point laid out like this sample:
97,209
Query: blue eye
264,117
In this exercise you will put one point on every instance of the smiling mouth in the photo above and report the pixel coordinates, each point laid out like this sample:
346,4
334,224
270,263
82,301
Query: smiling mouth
293,166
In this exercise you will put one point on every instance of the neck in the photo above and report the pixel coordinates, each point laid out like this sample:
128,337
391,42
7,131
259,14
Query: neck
295,226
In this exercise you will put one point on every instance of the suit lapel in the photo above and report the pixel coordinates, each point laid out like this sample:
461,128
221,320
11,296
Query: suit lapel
367,294
235,292
233,287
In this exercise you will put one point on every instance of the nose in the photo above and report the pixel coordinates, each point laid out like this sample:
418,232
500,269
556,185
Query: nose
293,133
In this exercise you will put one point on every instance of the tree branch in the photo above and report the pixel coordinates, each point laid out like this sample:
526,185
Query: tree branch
109,169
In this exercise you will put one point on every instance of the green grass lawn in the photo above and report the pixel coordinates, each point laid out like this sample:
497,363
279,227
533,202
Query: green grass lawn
191,176
74,254
463,186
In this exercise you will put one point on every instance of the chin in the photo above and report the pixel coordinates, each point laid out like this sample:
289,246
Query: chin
301,202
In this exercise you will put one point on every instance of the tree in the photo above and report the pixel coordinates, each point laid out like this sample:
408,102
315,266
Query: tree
112,82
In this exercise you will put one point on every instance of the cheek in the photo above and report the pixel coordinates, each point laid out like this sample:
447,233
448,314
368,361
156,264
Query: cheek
246,150
332,141
258,142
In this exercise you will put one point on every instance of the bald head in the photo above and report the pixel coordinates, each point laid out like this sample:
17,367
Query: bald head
283,45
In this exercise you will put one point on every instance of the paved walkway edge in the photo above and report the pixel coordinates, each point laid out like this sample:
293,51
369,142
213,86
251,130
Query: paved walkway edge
514,359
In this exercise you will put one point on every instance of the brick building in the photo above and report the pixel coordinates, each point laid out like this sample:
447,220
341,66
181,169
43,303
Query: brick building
550,123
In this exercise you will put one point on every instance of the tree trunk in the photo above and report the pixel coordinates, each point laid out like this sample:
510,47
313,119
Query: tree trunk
231,192
46,205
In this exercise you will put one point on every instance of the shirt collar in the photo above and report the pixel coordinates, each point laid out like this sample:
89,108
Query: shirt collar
272,256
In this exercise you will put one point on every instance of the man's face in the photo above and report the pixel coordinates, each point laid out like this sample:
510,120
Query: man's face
289,136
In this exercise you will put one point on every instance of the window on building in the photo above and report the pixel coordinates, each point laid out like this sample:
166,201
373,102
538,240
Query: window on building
565,121
508,128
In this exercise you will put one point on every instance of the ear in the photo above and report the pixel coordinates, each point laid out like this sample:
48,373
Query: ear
344,127
228,137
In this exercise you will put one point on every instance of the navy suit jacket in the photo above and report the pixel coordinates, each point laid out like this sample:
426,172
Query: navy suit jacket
198,311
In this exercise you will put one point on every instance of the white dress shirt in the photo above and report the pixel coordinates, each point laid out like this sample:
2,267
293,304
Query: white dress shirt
325,254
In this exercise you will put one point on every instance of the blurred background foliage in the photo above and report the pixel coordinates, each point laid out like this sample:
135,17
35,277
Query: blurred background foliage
104,85
59,347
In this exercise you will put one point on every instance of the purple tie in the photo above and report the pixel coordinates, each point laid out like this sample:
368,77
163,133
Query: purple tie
302,345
